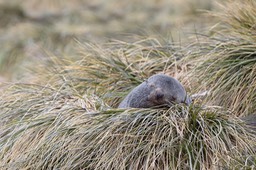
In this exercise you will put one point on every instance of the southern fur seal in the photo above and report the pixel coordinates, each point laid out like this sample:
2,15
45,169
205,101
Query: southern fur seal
158,90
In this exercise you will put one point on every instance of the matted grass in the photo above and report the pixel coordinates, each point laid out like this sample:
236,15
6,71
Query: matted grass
179,138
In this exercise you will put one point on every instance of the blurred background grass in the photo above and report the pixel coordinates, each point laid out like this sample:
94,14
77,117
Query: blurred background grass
31,30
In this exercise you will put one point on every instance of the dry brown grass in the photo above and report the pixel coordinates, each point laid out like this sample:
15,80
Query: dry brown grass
67,136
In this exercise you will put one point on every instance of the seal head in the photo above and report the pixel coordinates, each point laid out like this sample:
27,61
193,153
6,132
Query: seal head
158,90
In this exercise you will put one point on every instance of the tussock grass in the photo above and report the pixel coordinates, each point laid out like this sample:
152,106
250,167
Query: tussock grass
54,126
64,121
231,74
115,68
178,138
22,101
228,66
238,18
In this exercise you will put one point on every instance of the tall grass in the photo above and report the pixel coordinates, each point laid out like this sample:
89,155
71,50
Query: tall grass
228,67
115,68
239,18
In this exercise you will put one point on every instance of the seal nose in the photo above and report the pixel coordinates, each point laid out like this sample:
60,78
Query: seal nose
159,96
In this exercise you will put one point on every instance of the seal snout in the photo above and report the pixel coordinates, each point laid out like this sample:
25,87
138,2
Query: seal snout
159,94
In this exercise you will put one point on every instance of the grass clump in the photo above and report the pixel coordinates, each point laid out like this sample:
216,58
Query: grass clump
239,18
230,73
53,126
228,67
112,70
178,138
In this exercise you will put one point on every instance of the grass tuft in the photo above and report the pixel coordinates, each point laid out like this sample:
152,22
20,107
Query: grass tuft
113,69
238,18
178,138
228,66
